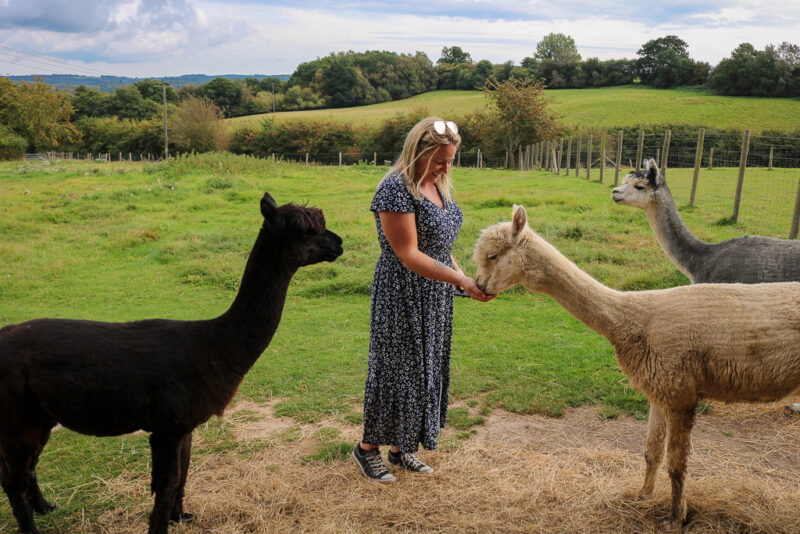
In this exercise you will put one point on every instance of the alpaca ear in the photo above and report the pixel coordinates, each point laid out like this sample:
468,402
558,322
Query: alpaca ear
519,219
269,208
653,176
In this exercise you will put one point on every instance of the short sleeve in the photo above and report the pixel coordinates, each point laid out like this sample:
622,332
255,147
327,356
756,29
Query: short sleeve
393,195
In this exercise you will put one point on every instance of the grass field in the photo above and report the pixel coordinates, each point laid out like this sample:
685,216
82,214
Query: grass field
601,107
128,241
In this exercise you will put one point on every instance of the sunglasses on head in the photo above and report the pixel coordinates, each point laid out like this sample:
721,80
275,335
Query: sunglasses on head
439,126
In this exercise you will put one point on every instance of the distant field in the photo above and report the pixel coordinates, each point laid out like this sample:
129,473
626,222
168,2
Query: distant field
602,107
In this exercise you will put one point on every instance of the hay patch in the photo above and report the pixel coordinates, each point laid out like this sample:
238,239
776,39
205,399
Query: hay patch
517,474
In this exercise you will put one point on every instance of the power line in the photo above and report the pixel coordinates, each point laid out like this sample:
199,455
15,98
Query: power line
18,64
31,63
52,62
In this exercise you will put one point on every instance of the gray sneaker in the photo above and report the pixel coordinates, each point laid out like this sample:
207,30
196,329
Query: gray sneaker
371,464
794,407
409,462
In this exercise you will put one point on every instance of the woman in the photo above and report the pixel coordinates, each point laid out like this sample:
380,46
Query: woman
411,322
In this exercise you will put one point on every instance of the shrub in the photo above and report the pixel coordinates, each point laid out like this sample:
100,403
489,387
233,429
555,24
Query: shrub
12,146
197,126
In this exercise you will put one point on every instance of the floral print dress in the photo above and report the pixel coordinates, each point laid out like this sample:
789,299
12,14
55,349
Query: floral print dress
411,326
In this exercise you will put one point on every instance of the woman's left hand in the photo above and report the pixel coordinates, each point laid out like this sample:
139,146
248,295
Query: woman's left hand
472,289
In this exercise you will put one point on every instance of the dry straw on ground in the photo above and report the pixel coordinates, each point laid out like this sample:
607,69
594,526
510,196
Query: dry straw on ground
517,474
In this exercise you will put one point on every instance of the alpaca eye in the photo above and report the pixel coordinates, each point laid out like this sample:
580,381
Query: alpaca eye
493,257
639,186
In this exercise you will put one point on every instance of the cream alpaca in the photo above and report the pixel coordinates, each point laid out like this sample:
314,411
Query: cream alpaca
728,342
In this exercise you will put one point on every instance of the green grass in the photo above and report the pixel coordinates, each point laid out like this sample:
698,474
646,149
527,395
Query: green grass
603,107
130,241
444,103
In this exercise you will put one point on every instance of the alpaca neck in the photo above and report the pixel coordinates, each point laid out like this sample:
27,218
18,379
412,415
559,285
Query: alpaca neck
249,324
595,305
678,242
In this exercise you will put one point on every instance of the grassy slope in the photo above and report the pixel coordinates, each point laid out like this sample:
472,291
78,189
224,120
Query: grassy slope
131,241
601,107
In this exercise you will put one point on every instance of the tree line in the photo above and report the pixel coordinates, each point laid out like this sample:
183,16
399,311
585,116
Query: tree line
34,117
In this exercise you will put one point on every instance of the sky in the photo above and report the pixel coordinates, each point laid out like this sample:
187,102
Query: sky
150,38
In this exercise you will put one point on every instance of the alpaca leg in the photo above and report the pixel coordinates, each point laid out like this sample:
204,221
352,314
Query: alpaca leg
165,476
37,500
654,450
15,459
178,514
680,423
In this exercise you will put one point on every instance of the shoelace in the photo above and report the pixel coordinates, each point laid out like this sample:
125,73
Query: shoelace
375,462
412,461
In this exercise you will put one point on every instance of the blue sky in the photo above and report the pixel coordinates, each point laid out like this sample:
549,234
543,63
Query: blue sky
173,37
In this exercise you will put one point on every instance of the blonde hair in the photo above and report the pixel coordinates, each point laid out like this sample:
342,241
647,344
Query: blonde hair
421,140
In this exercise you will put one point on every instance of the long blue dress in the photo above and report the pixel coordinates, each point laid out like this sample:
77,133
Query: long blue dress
411,326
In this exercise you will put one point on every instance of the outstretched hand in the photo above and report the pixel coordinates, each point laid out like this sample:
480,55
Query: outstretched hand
472,289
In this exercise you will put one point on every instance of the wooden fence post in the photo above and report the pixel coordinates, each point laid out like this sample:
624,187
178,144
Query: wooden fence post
742,166
569,156
602,156
340,159
521,162
578,157
547,155
771,152
796,216
619,158
711,157
560,154
306,158
458,159
478,159
639,148
665,152
589,158
698,159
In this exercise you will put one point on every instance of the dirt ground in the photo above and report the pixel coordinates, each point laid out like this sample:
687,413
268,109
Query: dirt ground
517,474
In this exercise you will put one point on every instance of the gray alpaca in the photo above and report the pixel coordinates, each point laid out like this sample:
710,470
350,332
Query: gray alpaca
749,259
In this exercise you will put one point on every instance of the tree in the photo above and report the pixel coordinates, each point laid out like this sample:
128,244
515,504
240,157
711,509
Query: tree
519,114
197,126
771,72
483,69
225,94
35,111
89,103
454,56
557,47
152,89
663,62
127,103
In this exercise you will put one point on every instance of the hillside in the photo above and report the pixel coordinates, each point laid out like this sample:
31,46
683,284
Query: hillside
107,84
601,107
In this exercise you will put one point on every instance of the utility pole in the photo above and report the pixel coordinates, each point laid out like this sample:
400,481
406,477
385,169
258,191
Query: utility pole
166,135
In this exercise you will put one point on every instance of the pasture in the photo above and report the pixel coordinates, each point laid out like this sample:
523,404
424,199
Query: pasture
603,107
545,434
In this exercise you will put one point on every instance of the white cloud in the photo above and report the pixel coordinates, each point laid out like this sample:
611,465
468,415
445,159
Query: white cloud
170,37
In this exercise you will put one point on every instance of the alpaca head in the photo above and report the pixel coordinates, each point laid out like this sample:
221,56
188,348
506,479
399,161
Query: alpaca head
498,253
300,231
639,188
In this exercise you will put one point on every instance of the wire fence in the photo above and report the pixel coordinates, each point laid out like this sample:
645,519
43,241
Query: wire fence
757,176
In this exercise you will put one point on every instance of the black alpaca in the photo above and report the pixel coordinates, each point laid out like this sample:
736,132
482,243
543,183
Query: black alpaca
165,377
